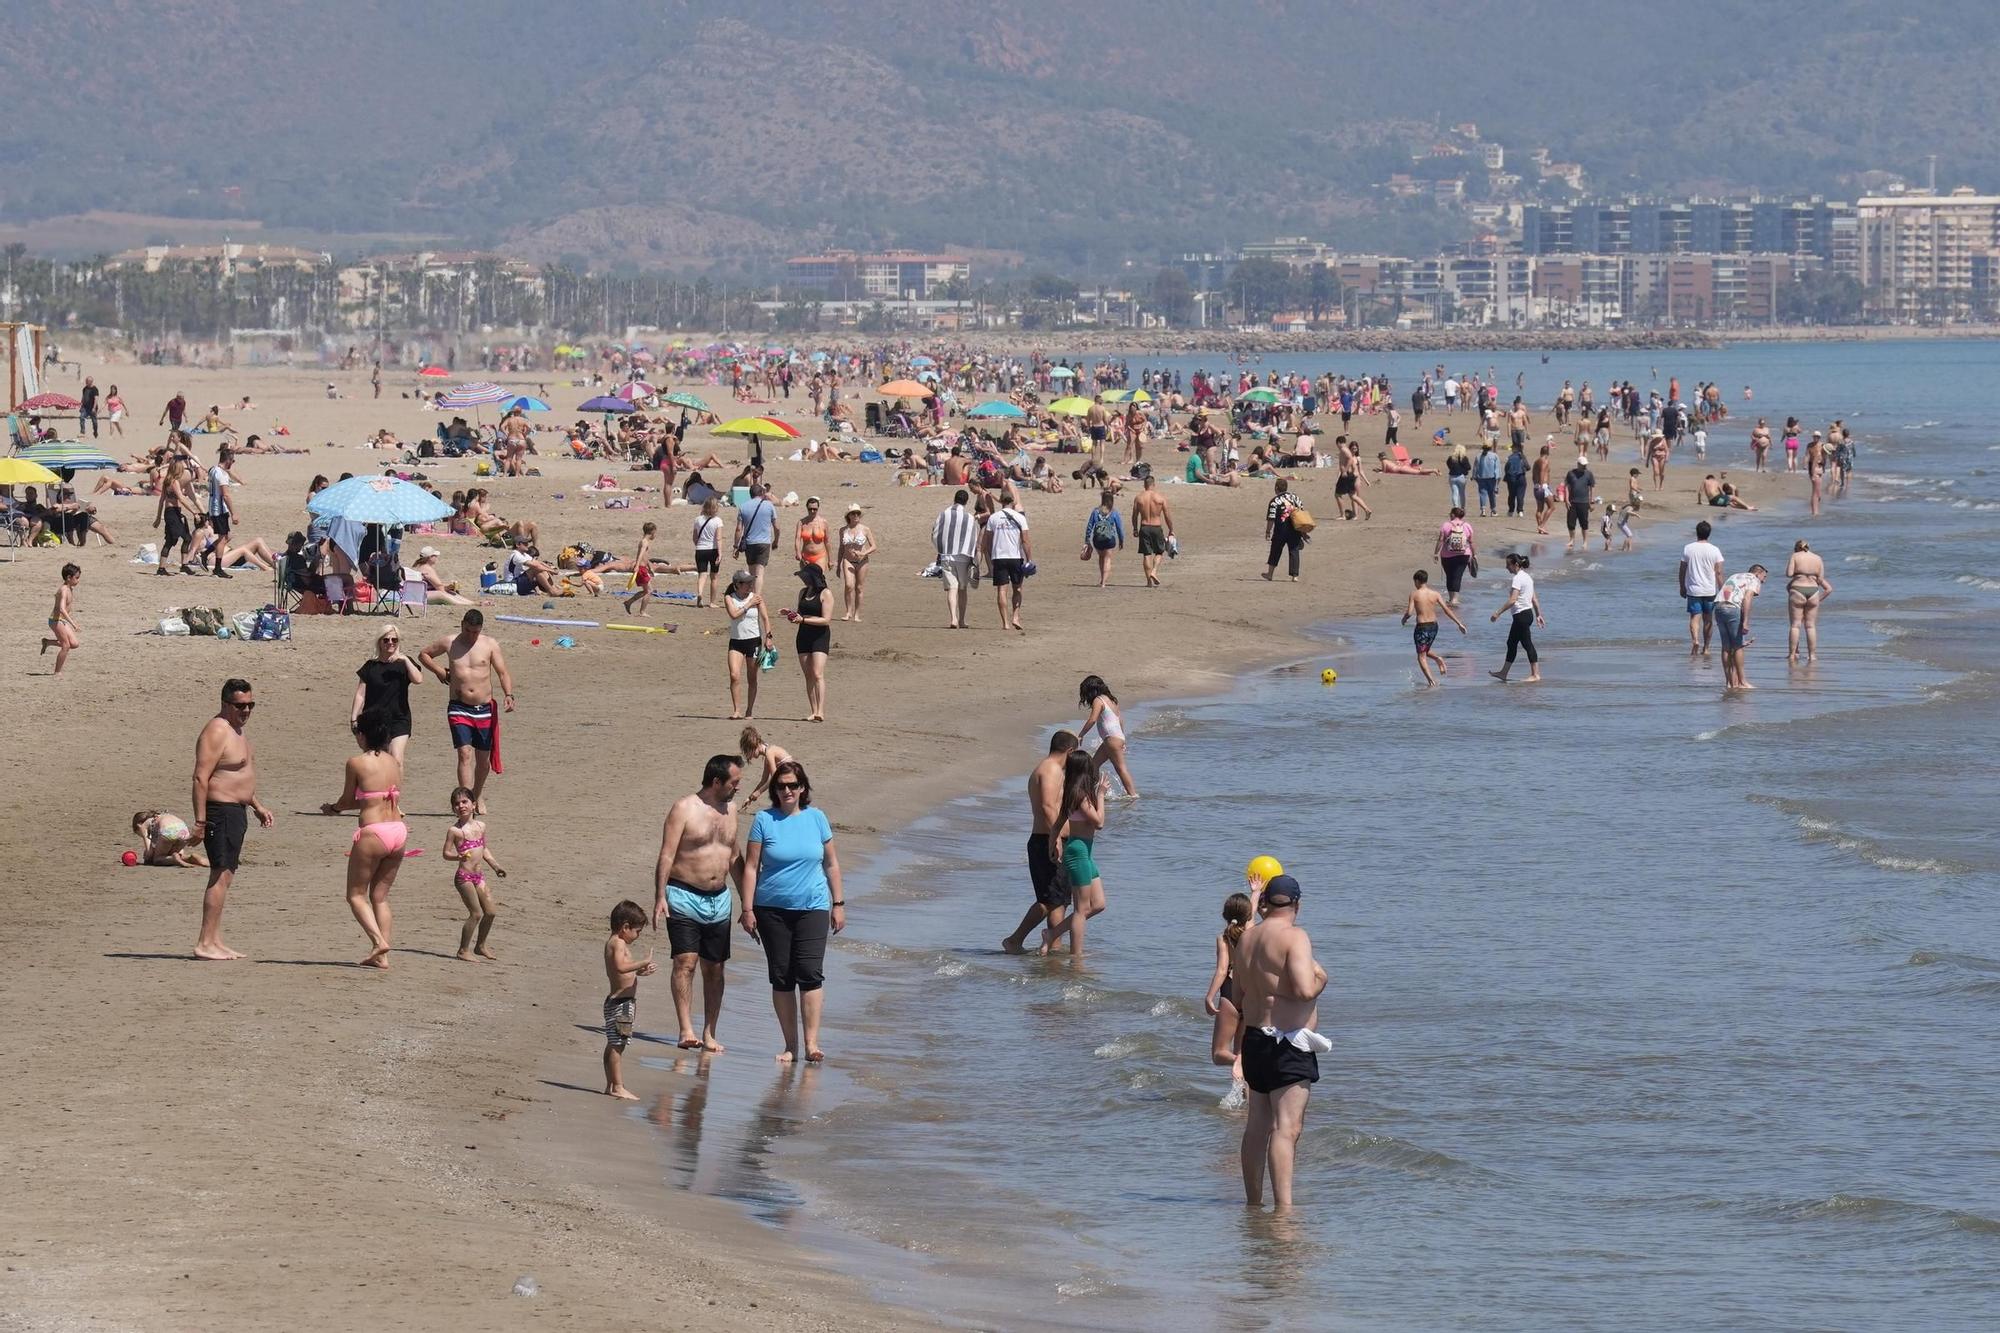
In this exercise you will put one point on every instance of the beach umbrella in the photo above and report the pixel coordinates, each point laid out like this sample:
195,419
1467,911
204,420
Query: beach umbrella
378,500
761,427
791,431
996,408
22,472
434,372
1261,396
528,405
929,376
564,349
634,391
922,361
642,358
601,403
822,356
75,455
903,389
477,394
682,398
1070,407
49,402
1062,373
1126,396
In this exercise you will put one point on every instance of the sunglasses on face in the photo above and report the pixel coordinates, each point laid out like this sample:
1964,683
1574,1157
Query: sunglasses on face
245,704
785,786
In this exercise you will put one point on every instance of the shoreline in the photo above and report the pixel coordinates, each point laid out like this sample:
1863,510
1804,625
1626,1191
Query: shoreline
452,1109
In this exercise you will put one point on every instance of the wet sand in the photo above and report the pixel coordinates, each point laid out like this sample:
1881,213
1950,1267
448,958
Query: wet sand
292,1139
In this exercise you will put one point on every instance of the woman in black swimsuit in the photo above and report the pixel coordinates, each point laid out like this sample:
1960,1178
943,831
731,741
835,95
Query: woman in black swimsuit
815,637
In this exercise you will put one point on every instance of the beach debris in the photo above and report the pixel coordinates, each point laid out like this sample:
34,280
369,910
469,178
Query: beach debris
525,1285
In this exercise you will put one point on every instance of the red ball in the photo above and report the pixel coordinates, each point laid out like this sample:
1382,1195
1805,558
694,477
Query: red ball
130,858
534,643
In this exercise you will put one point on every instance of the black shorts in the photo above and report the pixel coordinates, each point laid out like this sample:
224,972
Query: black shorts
1152,539
1345,486
1052,887
709,939
1270,1064
1578,517
707,561
795,946
1007,573
1097,434
222,837
757,554
220,523
747,647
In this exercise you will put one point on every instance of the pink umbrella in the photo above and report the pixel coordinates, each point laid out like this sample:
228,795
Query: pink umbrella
642,358
45,402
636,390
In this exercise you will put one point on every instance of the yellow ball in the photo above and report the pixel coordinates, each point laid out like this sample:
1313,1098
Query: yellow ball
1265,868
1328,676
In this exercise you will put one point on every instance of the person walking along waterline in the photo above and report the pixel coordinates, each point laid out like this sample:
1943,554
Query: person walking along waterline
1285,538
791,898
1278,984
691,894
1700,581
1455,551
1103,714
225,795
1053,895
1806,588
1525,610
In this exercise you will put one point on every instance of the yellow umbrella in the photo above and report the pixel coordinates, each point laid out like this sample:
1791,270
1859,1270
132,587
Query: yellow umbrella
25,472
747,426
1070,407
904,389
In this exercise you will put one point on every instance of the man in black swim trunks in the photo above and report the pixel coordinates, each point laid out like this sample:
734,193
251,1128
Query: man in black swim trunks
225,796
1052,887
1578,483
1279,985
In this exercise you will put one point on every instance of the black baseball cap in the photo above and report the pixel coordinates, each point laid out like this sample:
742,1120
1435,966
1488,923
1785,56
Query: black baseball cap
1281,892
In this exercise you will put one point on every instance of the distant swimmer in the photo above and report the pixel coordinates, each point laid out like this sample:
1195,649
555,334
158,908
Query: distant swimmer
1278,985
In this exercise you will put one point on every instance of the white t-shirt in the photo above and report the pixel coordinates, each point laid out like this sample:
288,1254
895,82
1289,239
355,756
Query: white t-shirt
1704,563
218,478
706,530
1451,388
1006,535
1521,596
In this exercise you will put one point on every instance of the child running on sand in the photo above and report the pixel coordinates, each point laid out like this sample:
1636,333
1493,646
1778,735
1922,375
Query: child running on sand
642,572
627,920
465,843
1225,1042
61,624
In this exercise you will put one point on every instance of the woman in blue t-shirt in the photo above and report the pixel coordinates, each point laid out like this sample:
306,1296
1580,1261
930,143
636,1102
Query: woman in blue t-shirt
791,897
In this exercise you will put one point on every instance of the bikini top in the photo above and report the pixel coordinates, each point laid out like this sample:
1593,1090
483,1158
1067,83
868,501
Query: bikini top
471,844
392,794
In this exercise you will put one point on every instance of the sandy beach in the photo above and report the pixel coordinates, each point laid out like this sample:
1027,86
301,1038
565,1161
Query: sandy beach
290,1140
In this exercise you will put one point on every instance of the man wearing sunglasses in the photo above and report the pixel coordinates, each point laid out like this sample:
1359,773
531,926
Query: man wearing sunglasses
225,796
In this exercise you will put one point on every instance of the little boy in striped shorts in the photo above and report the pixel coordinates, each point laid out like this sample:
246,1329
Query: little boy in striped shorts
620,1007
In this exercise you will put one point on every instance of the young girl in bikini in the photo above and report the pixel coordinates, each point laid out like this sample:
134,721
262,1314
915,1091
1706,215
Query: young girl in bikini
1226,1040
465,843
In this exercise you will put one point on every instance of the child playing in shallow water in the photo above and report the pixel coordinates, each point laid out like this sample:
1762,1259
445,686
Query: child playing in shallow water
465,843
1225,1042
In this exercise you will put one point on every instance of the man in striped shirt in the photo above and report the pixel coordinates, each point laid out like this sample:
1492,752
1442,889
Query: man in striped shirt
955,536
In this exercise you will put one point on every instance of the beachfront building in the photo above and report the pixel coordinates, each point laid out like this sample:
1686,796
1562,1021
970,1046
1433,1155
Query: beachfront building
894,275
1803,228
1927,256
230,257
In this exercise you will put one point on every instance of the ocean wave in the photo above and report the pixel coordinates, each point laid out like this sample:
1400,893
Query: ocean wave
1866,1208
1397,1154
1819,829
1890,479
1865,561
955,968
1978,581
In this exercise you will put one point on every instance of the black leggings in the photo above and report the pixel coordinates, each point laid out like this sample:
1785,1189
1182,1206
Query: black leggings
795,945
1286,541
1520,635
1454,571
177,534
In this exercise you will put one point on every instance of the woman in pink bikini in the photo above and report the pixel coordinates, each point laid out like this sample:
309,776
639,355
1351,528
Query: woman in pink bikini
373,791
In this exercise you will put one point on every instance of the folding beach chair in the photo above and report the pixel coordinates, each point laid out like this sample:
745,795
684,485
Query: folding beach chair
415,596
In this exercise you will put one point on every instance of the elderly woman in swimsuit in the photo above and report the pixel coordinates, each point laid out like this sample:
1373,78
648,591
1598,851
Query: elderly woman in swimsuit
373,791
1806,586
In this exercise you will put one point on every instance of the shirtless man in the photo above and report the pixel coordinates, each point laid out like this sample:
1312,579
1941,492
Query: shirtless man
225,795
1098,423
1154,523
698,858
475,659
1052,888
1278,988
1425,604
1545,492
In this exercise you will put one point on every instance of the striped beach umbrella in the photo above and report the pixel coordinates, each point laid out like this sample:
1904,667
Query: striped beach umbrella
478,394
56,455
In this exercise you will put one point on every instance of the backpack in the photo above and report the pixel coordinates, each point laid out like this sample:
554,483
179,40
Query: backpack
1455,539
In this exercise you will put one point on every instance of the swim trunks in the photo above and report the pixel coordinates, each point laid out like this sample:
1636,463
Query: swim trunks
471,724
1270,1064
1008,573
698,921
1344,486
1701,606
619,1011
1425,636
1152,539
222,837
1052,889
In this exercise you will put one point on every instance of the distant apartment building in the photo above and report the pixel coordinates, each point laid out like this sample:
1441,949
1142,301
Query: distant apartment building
230,256
1927,254
1290,250
1803,228
894,275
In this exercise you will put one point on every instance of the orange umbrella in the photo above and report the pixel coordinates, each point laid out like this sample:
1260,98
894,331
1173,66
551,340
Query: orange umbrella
904,389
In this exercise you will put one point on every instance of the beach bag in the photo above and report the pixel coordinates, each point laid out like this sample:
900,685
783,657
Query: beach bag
1456,539
1302,522
274,625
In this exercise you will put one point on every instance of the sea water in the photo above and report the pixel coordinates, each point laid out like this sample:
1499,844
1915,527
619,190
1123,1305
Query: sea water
1651,1007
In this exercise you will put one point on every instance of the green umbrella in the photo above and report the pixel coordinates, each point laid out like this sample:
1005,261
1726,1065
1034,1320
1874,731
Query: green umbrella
1261,396
682,398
